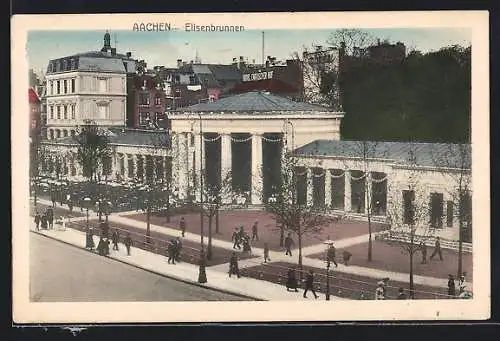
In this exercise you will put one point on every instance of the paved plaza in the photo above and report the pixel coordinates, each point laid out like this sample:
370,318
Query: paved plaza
353,280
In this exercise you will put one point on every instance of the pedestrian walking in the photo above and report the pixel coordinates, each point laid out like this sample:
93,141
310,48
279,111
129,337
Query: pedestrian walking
182,226
128,243
171,251
437,250
50,218
235,238
44,222
380,291
451,286
291,281
246,244
423,249
89,241
401,294
70,206
346,256
310,284
115,238
255,231
288,245
266,252
37,220
178,249
101,248
233,265
330,254
461,284
105,229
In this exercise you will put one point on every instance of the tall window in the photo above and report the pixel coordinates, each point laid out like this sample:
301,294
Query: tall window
103,111
65,112
103,86
58,87
449,213
436,206
73,85
73,114
58,112
51,112
65,86
51,87
144,98
157,100
408,207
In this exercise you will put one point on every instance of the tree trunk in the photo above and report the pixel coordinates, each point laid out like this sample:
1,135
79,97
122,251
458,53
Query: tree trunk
168,208
148,225
460,246
209,247
217,222
282,235
370,244
300,254
412,286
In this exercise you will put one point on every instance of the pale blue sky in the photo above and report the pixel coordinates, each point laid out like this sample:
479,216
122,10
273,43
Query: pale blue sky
164,48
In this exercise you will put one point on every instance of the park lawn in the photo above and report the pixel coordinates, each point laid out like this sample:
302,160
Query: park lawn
392,258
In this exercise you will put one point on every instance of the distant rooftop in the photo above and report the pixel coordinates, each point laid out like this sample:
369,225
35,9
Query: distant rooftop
426,154
255,101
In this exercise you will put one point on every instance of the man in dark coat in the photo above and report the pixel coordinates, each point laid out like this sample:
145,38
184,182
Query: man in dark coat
236,239
182,226
288,244
50,218
310,284
437,250
255,231
89,242
346,256
115,237
451,286
128,243
330,254
423,249
43,221
233,265
171,250
291,281
37,220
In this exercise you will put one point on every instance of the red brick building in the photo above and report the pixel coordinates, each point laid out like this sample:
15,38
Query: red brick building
34,114
146,101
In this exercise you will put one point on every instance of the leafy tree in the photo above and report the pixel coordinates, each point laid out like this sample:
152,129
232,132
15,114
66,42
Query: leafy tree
92,149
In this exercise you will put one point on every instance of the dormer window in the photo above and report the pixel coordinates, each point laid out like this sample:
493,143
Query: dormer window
58,66
65,65
73,64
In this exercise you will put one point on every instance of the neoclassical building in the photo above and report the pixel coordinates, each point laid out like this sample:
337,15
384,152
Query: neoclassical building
87,86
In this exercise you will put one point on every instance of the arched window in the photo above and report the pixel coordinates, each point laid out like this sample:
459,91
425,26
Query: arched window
51,134
65,133
58,134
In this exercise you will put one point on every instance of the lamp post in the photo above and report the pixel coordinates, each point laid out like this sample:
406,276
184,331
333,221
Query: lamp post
202,275
328,243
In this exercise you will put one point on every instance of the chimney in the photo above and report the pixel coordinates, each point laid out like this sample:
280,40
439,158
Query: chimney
179,63
129,54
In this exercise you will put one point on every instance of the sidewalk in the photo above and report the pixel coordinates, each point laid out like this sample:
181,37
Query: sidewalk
217,277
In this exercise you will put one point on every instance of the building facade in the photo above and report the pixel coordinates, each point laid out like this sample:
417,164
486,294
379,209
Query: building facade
87,86
147,101
35,121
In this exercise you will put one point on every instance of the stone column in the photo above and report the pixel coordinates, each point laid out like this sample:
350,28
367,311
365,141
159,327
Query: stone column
182,165
134,162
368,192
328,188
256,169
225,160
347,191
309,186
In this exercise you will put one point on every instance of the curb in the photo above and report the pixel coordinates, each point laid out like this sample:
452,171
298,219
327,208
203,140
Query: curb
173,277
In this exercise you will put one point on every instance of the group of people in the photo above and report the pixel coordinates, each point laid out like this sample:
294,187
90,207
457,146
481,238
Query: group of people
437,251
46,220
104,240
292,283
241,239
462,287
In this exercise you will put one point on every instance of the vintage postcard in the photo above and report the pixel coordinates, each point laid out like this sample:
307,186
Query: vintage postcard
250,167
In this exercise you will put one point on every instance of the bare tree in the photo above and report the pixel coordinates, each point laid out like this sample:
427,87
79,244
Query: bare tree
92,149
454,162
409,215
351,40
365,153
213,194
289,208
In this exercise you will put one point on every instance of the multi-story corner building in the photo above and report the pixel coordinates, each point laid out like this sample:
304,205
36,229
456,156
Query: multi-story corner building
88,86
147,102
35,117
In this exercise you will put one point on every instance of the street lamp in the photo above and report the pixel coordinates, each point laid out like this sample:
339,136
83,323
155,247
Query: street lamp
202,275
87,201
328,243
